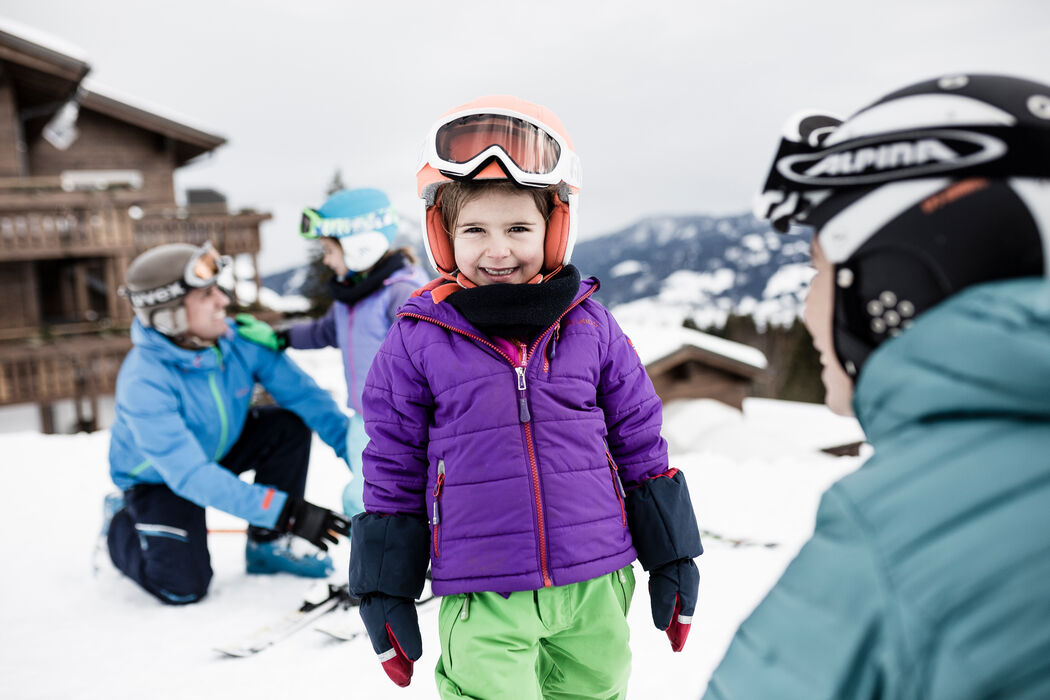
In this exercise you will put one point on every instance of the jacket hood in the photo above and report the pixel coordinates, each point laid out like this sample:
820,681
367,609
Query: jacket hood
984,352
423,305
164,350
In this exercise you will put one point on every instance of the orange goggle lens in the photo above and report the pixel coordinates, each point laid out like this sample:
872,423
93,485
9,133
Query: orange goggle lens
205,267
531,148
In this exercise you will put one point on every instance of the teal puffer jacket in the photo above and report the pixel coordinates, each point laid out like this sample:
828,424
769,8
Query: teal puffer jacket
179,411
927,575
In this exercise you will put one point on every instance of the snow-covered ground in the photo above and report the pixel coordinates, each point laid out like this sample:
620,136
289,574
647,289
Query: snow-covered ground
66,633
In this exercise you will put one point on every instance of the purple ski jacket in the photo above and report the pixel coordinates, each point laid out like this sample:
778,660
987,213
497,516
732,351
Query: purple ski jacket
519,464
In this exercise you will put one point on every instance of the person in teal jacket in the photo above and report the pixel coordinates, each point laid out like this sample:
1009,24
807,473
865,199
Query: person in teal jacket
185,428
926,574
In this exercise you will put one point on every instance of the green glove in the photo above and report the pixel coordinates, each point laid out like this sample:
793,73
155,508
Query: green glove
260,332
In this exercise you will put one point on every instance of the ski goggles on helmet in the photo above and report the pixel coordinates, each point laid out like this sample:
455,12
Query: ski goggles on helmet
532,154
312,225
204,268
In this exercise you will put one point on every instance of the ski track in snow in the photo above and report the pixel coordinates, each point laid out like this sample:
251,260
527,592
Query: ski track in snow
69,634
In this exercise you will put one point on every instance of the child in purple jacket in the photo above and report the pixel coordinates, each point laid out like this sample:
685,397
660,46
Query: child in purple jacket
514,438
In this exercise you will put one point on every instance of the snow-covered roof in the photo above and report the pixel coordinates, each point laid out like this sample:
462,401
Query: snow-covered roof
158,112
42,39
655,342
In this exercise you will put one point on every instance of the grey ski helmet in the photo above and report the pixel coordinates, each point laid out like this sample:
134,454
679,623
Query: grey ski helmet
933,188
159,279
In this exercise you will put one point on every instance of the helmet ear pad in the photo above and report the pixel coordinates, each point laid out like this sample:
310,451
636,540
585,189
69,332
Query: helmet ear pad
439,239
879,294
557,239
170,320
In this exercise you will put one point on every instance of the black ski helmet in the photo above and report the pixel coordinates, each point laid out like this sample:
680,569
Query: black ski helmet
933,188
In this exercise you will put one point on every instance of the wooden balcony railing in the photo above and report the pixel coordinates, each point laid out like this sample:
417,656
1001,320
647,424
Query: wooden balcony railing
232,234
42,223
66,370
64,225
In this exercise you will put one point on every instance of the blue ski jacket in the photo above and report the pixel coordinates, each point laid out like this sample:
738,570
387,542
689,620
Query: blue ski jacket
179,411
927,574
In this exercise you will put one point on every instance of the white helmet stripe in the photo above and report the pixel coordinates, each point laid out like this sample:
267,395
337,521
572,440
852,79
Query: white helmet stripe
920,112
848,230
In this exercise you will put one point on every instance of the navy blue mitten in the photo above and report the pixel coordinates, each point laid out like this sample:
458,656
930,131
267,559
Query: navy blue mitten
388,567
393,627
665,534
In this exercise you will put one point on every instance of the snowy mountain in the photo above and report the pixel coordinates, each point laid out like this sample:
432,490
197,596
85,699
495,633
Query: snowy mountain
699,267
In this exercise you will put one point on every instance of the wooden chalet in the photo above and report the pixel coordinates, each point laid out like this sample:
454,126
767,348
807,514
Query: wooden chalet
689,364
86,183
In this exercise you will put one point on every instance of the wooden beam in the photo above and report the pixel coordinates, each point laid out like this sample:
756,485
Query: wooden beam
32,313
47,418
112,283
80,290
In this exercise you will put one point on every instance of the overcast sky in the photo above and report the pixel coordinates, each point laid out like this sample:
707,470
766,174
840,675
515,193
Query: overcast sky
674,106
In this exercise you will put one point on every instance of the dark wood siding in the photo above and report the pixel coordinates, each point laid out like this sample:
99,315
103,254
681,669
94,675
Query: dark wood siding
108,144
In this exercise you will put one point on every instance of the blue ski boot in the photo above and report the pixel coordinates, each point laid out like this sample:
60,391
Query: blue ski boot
289,554
111,505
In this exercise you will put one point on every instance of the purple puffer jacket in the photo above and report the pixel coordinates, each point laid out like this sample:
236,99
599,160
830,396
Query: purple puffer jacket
508,461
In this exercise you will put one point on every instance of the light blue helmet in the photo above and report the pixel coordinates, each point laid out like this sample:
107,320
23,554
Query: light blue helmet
362,220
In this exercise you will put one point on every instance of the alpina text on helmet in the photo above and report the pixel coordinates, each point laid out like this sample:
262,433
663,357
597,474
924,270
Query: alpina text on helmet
871,161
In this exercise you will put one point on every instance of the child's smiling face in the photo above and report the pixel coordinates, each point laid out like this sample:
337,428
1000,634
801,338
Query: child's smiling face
498,238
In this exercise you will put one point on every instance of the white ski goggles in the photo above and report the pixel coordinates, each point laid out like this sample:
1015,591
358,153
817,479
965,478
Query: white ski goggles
204,268
463,144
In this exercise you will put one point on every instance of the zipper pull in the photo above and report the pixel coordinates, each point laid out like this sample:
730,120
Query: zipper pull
523,405
437,491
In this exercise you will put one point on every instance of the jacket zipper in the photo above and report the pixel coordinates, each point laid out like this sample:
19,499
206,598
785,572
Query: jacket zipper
523,415
436,520
621,495
552,347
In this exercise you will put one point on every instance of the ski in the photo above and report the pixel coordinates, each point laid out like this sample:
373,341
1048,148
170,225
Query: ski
736,541
321,600
346,624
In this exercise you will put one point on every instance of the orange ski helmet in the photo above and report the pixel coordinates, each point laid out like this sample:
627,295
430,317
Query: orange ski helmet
499,137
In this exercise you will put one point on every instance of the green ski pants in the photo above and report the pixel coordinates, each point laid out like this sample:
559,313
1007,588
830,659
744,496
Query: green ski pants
562,642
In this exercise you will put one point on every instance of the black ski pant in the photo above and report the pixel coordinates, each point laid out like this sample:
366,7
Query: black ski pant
160,540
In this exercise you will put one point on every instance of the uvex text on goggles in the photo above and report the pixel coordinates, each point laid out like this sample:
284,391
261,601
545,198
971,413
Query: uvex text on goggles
313,225
528,151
